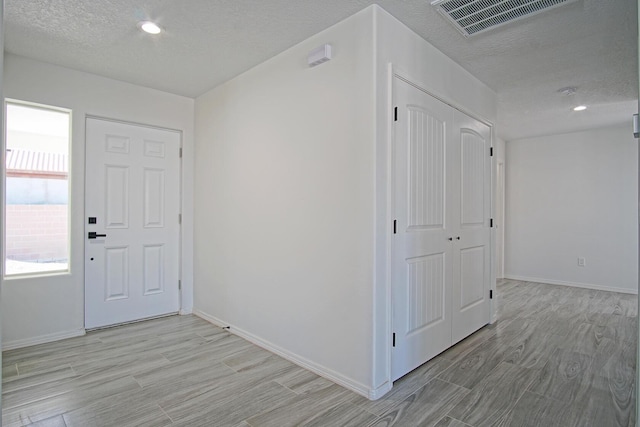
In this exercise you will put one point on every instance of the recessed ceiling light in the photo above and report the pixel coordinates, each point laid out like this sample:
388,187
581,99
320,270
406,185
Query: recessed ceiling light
580,108
150,27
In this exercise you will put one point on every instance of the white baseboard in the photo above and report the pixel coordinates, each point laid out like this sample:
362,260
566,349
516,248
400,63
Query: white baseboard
323,371
42,339
377,393
573,284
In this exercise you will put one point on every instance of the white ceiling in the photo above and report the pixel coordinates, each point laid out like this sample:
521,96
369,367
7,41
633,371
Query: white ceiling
590,44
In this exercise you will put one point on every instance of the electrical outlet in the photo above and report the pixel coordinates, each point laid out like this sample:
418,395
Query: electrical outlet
581,262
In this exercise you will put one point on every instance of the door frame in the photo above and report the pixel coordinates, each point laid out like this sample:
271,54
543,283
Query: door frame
500,220
180,201
393,71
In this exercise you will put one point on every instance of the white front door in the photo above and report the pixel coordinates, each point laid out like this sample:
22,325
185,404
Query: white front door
132,231
422,246
472,240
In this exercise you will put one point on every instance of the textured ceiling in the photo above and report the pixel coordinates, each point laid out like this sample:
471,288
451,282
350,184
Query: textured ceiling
590,44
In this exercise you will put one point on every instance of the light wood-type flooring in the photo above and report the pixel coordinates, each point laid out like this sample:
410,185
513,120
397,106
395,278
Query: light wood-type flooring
557,356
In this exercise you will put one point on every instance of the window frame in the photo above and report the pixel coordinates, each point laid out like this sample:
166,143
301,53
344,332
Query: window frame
37,274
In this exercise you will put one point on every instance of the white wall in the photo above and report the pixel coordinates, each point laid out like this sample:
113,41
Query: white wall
292,204
569,196
285,204
41,309
417,60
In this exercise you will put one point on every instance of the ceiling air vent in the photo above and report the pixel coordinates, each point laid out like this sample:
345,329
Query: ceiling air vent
473,17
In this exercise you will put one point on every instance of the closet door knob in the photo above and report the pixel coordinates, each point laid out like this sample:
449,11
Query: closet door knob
458,238
450,239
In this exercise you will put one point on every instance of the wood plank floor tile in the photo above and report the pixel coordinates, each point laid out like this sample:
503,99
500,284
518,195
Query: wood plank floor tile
613,357
15,420
248,359
199,367
177,389
212,333
627,305
116,411
601,306
621,328
585,339
561,323
404,387
145,329
533,410
301,381
533,348
450,422
57,421
609,403
37,378
344,414
57,350
478,338
182,340
9,371
119,366
494,396
304,409
426,406
223,392
37,365
185,341
563,376
252,402
219,348
476,364
37,392
74,398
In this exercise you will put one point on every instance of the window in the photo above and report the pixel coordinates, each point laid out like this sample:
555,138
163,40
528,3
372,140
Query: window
37,189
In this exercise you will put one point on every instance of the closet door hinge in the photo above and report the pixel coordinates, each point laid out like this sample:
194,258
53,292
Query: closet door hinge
180,152
490,293
395,114
179,285
490,222
395,224
179,218
491,151
393,339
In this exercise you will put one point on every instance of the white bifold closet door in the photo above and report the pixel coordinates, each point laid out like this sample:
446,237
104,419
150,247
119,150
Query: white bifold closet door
441,242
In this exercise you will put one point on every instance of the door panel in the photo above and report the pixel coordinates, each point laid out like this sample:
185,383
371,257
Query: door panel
426,169
153,198
471,276
153,264
116,273
471,249
421,288
117,192
473,159
132,191
426,281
